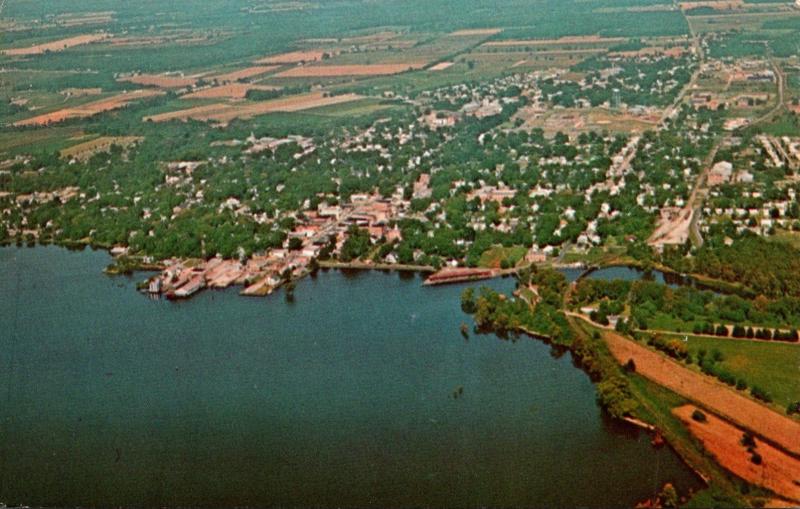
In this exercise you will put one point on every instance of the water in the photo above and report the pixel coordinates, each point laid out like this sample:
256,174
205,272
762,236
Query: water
343,398
627,273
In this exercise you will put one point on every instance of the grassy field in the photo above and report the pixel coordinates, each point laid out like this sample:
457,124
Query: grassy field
495,256
48,140
775,367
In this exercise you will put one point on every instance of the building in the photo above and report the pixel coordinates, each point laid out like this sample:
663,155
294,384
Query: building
535,256
720,173
735,123
744,177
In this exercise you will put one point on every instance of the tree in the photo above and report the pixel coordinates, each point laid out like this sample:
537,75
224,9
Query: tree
289,288
295,244
468,301
630,366
668,496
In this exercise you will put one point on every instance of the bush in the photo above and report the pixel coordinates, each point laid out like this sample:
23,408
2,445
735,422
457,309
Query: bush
741,385
699,416
760,394
721,331
468,304
726,378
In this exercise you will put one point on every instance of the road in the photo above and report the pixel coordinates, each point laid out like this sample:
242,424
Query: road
695,203
781,78
674,333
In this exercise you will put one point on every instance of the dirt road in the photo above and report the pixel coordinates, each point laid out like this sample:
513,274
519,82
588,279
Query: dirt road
716,397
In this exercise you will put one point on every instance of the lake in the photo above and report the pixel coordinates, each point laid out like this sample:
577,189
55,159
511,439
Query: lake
360,393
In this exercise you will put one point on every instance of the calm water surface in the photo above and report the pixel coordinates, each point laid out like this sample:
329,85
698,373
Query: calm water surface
343,398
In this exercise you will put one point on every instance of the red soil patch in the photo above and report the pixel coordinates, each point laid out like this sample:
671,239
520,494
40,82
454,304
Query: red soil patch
160,81
715,396
320,71
778,471
59,45
88,110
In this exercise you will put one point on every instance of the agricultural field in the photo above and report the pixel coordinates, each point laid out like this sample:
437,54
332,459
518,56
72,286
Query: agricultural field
85,150
772,366
223,113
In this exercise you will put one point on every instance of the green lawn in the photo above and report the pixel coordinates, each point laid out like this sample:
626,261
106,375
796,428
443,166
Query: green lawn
663,321
775,367
492,258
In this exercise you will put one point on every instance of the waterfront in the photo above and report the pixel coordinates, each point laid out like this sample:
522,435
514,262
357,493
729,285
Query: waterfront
345,397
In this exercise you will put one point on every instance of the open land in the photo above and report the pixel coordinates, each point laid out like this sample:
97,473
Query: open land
326,71
232,90
60,45
777,471
778,429
85,150
223,112
293,57
89,109
241,74
160,81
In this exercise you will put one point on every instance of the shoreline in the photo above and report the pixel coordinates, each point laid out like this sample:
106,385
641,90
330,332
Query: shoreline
629,420
135,264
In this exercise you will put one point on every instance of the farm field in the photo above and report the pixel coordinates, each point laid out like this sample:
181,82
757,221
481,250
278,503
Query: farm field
160,81
772,366
232,91
708,392
776,470
223,113
293,57
241,74
328,71
52,138
89,109
83,151
55,46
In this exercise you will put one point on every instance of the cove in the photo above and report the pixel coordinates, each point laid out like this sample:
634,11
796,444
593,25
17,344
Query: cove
346,397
